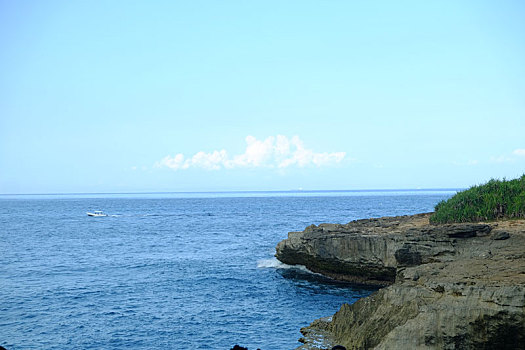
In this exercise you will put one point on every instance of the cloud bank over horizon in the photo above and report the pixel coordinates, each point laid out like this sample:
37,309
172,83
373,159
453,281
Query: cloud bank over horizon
274,152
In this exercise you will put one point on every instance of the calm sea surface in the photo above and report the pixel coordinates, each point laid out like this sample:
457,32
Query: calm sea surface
171,271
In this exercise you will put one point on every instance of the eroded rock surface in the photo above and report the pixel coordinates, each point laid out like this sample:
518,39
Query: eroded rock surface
459,286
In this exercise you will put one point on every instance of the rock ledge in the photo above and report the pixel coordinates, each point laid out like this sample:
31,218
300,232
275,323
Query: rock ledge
456,286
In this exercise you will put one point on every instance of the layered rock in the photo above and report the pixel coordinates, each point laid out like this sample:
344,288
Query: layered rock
459,286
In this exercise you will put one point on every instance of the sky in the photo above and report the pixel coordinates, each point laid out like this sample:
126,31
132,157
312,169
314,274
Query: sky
140,96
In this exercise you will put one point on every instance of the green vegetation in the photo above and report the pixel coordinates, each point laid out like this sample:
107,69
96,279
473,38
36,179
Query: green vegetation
492,201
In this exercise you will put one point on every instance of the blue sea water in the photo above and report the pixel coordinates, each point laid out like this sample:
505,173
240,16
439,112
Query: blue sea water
171,271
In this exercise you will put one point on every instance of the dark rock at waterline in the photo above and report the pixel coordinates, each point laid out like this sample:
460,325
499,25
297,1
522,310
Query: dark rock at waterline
236,347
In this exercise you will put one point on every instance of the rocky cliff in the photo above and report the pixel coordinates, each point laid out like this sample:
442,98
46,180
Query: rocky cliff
457,286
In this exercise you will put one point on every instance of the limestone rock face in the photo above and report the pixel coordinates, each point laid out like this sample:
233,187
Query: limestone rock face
370,251
450,286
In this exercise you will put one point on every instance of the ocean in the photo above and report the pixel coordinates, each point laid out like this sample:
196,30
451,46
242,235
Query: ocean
171,270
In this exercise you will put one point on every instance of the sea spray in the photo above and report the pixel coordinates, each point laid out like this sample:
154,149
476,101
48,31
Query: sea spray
273,263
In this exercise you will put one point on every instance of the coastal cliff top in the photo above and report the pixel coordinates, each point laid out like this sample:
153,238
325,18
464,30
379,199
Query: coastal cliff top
374,226
497,258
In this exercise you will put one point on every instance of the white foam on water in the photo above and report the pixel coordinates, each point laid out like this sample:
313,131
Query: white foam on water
273,263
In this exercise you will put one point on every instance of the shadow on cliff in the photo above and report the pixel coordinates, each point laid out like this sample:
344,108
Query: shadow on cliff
319,283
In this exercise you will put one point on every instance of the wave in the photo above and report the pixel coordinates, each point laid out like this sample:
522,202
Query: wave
273,263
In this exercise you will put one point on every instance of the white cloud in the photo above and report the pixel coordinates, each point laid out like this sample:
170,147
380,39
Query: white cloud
273,152
509,158
519,152
175,162
257,153
210,161
499,159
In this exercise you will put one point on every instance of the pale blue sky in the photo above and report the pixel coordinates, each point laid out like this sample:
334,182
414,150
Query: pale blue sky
101,96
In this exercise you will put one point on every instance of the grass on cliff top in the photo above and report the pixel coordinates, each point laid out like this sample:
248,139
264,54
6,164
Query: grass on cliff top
497,199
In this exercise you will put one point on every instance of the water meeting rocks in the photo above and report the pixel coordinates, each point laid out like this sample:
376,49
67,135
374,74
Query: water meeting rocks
456,286
370,251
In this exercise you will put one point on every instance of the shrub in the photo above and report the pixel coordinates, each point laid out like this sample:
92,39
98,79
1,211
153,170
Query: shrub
497,199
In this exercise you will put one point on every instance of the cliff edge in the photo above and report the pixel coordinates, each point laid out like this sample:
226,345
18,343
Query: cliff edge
453,286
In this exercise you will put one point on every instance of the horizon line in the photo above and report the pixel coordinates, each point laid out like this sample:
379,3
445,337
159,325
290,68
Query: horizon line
239,191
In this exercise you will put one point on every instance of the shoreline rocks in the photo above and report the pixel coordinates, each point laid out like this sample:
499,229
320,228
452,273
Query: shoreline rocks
454,286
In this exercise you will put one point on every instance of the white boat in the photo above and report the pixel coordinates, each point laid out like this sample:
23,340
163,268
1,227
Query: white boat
96,213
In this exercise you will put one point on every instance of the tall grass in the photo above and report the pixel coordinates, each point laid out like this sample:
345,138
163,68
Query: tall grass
497,199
